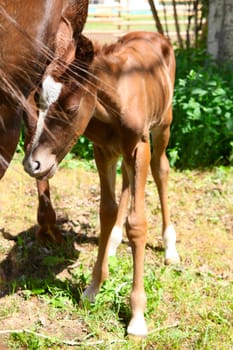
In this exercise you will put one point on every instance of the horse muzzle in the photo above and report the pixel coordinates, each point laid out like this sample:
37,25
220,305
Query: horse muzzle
42,166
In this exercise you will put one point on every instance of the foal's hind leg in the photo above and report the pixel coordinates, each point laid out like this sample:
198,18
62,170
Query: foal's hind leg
117,231
46,215
160,170
137,163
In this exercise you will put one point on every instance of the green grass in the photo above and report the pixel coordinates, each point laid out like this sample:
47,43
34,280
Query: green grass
188,306
186,310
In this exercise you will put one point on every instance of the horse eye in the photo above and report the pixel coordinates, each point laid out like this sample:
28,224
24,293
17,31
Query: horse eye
72,111
37,97
41,104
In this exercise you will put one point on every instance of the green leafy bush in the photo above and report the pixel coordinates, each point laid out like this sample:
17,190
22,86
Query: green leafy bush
83,148
202,129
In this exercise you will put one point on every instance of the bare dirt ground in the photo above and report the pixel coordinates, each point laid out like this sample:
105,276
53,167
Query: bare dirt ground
201,205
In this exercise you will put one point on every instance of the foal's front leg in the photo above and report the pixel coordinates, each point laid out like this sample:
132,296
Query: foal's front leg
106,165
136,228
46,215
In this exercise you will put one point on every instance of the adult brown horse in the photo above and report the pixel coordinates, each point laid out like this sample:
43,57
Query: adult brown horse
125,96
32,33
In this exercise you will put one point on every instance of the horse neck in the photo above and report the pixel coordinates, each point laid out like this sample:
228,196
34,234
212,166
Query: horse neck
26,44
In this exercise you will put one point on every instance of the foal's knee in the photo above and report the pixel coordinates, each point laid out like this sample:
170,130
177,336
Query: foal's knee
136,227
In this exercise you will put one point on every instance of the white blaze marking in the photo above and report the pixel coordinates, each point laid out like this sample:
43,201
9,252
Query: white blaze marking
50,93
50,90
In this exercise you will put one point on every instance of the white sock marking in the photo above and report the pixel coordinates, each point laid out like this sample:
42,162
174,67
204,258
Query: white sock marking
50,90
115,240
169,240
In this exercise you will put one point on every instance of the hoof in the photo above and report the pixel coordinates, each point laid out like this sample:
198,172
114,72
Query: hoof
89,295
137,328
50,235
175,260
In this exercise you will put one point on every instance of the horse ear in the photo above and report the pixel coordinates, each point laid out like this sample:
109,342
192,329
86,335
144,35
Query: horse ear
64,49
64,42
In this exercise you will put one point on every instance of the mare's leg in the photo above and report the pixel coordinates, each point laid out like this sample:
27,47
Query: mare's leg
117,231
160,171
106,164
46,215
9,136
10,122
137,164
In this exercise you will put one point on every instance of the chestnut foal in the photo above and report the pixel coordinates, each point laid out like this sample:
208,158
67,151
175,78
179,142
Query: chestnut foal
125,96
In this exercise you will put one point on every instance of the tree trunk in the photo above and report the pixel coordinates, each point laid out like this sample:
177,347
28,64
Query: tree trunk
156,16
179,37
220,30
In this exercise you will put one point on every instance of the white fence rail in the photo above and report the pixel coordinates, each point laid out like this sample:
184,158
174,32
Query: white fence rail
105,22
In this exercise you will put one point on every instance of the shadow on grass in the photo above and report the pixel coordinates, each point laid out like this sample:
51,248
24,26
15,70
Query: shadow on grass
33,267
155,249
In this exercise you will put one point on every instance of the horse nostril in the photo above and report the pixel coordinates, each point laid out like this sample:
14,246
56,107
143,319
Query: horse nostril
36,165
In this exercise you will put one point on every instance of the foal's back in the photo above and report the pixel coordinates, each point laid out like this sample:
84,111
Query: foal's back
136,77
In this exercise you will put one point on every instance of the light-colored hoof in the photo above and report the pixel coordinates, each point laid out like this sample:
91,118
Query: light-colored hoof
89,294
174,260
137,327
115,240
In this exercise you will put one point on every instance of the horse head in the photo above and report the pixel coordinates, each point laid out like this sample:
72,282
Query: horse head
61,113
31,37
